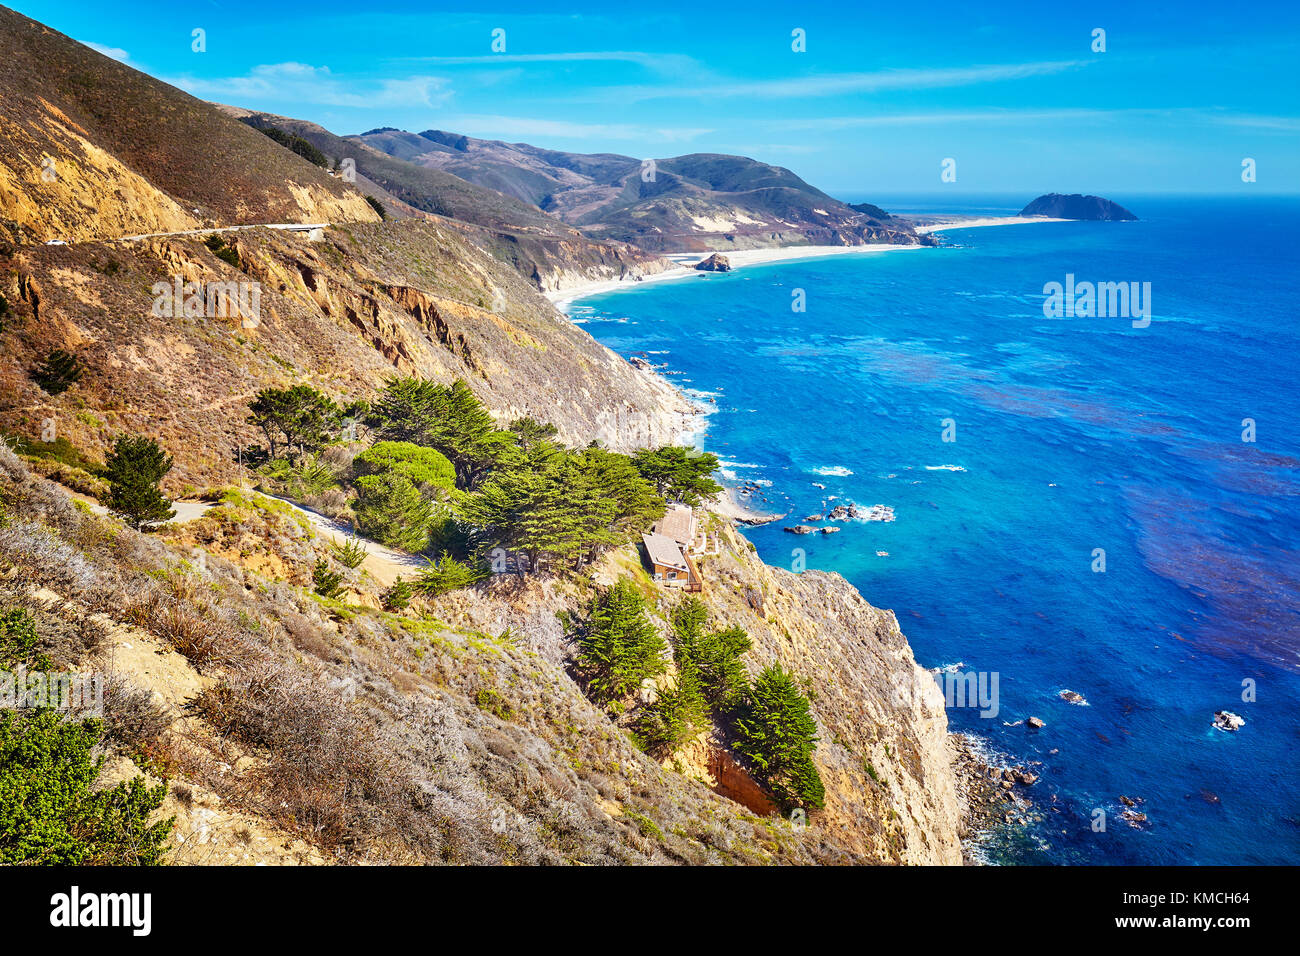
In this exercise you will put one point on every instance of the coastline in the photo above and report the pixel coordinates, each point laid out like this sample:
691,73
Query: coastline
926,226
692,430
563,298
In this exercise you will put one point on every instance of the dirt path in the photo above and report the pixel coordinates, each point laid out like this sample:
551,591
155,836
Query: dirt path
383,564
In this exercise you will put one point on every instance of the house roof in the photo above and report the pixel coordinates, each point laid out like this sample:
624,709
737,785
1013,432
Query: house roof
664,551
677,523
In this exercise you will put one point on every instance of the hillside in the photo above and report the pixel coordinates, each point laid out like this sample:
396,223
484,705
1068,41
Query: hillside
298,729
697,202
539,246
367,302
124,156
293,709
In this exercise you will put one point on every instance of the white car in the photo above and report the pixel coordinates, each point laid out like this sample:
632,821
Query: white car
56,242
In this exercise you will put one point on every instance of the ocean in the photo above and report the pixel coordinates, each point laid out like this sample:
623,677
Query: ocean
1076,505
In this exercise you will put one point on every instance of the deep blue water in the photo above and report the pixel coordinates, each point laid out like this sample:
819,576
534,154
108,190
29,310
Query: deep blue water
1074,434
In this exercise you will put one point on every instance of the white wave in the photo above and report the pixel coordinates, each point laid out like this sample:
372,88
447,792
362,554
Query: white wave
832,471
944,468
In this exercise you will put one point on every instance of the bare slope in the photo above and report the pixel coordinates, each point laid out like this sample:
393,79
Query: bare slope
91,149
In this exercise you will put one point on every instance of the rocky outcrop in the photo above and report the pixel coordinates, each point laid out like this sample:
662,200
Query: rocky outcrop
1076,206
714,263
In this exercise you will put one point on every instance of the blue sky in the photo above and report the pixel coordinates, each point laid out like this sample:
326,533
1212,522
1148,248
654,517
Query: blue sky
881,96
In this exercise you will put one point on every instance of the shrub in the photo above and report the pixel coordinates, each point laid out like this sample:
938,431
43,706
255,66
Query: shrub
134,469
19,642
447,574
776,733
217,244
351,553
398,597
50,812
59,372
391,510
423,467
377,206
326,583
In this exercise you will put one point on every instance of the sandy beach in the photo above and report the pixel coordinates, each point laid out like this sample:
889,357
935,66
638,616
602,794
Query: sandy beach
927,226
562,299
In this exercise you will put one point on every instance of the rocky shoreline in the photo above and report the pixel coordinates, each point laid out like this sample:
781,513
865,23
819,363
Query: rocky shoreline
994,793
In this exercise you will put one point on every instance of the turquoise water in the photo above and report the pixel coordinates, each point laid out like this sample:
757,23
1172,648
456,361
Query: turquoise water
1071,435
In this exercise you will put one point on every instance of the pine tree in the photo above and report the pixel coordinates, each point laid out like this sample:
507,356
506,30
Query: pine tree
390,509
620,647
679,473
134,469
679,712
59,372
775,732
301,418
449,418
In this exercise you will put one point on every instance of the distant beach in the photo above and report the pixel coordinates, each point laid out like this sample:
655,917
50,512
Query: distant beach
739,258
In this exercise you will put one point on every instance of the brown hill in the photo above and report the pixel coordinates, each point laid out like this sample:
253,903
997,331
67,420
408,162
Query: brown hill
696,202
367,302
131,154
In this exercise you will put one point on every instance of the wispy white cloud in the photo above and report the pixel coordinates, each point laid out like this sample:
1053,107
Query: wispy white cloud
115,52
1288,124
1153,115
661,62
303,83
839,84
495,126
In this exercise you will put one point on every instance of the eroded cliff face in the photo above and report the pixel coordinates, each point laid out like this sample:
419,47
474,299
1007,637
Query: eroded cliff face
877,711
345,313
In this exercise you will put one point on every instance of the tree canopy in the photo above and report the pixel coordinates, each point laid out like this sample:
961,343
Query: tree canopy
449,418
298,419
679,473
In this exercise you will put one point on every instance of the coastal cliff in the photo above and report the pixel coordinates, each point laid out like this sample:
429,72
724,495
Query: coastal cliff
299,724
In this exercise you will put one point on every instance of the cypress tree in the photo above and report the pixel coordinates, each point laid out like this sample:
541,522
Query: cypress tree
776,733
620,647
134,469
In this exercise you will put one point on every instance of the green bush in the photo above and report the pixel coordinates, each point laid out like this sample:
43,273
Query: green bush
351,553
326,583
19,642
377,206
390,509
50,811
398,597
423,467
447,574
